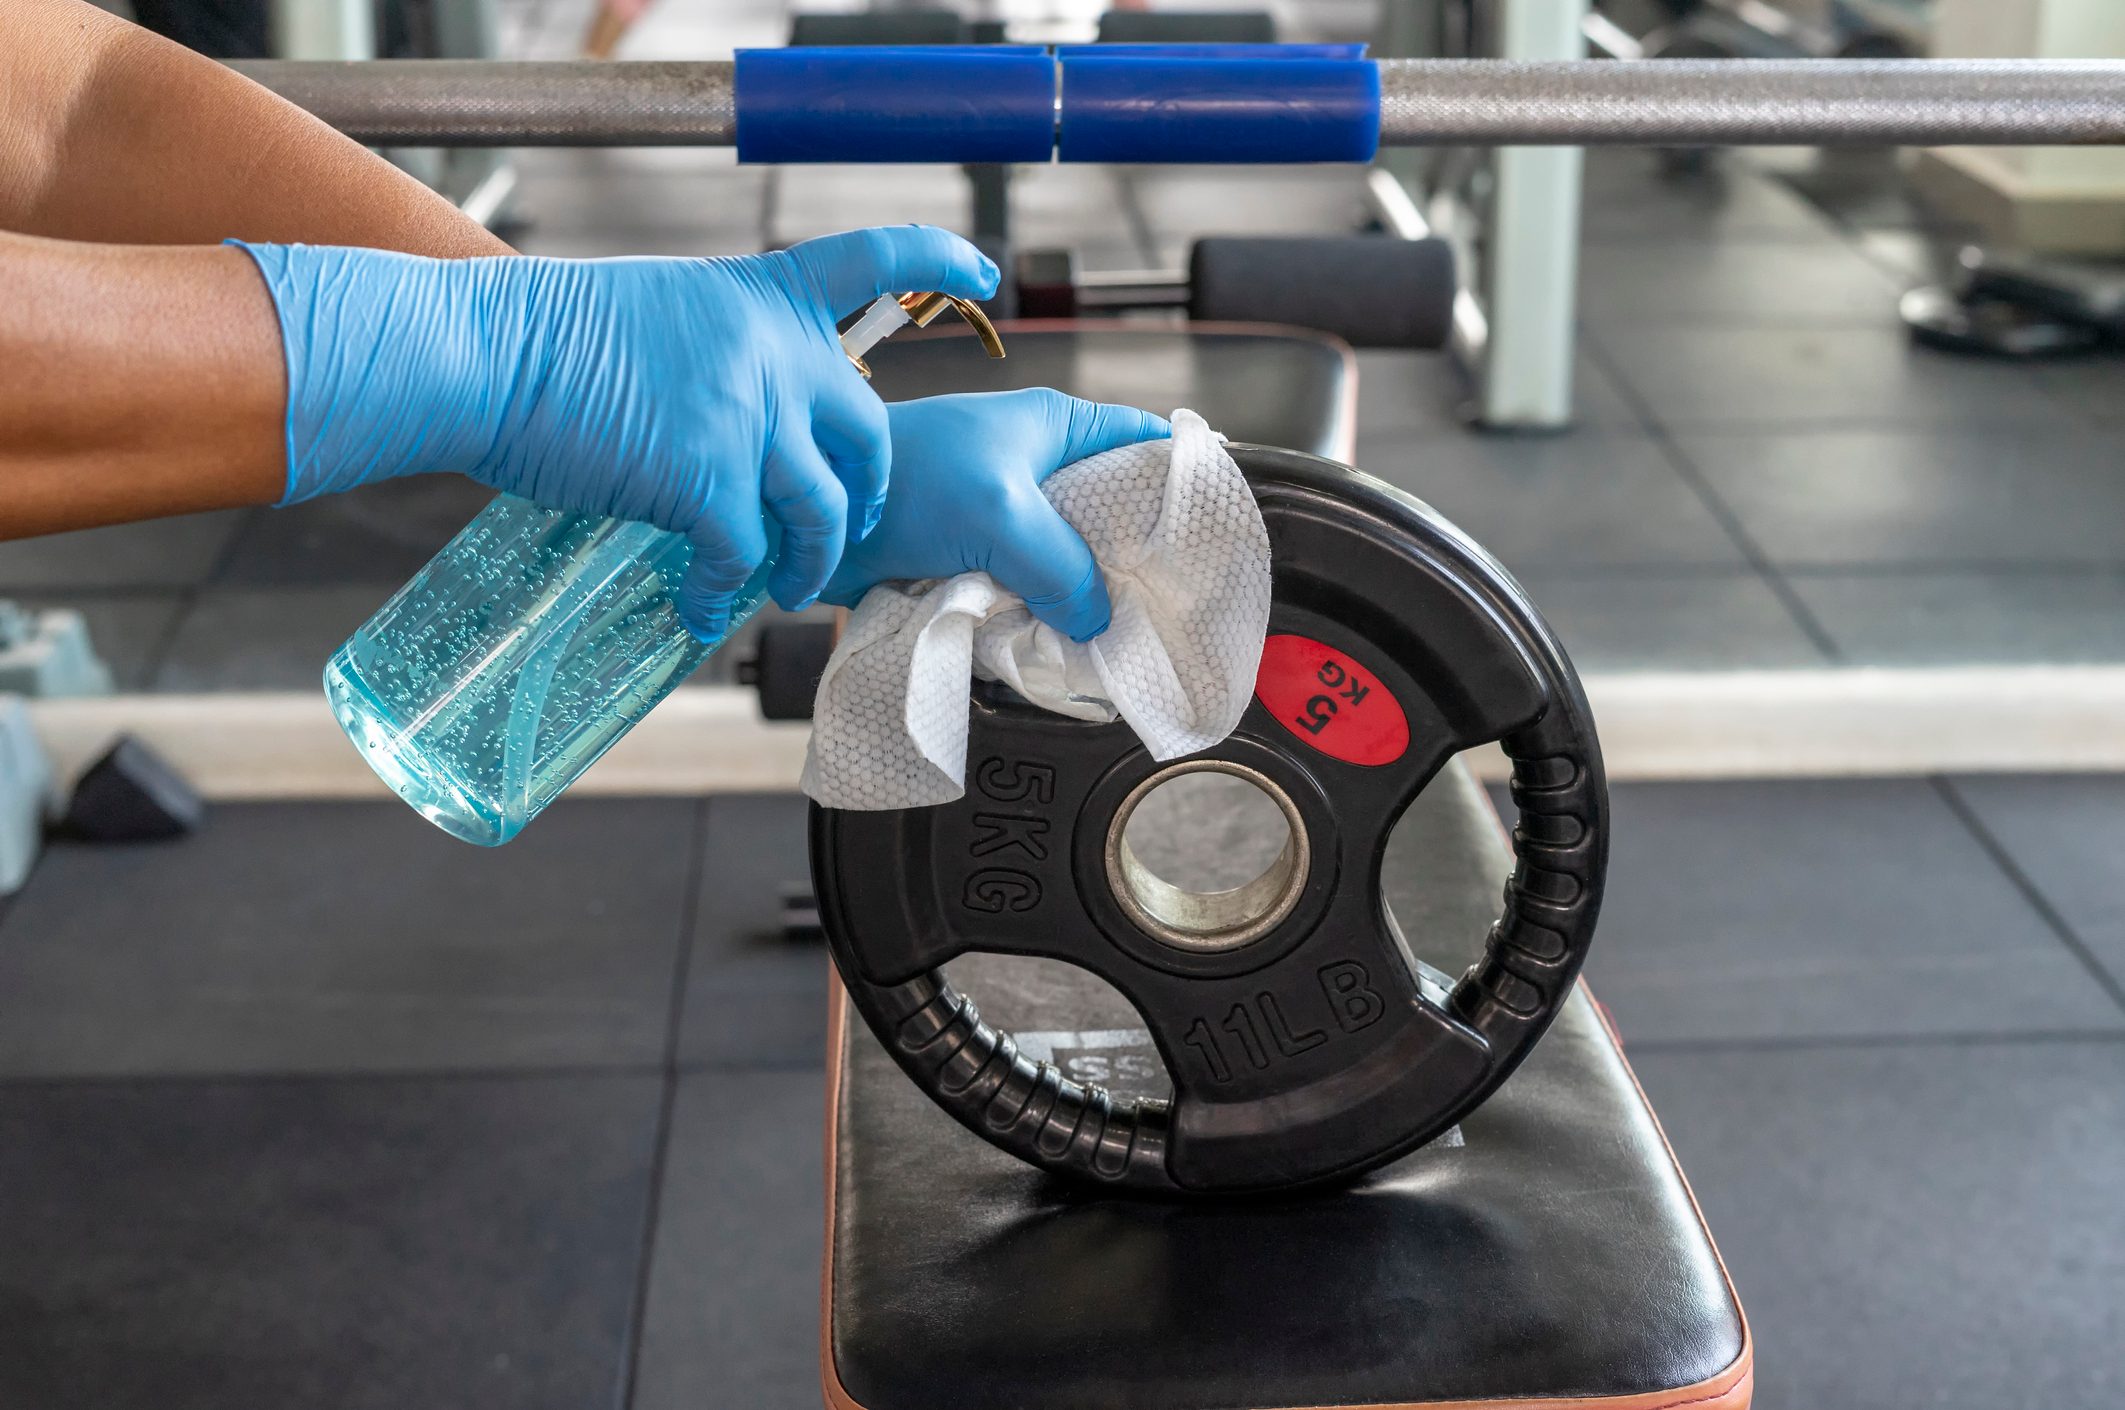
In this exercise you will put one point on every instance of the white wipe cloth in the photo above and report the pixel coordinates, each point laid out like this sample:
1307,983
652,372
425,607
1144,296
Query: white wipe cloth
1186,558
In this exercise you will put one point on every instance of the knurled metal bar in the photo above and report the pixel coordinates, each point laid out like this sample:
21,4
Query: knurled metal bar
490,103
1751,102
1460,102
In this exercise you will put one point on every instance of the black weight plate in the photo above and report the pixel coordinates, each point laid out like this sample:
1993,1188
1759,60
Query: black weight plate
1302,1049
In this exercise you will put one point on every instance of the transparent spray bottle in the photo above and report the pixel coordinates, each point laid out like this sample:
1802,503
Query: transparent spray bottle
535,639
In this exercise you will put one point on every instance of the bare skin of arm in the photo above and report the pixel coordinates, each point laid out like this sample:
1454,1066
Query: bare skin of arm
138,381
135,381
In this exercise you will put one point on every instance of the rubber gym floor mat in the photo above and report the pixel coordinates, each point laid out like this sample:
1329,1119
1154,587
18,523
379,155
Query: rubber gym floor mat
1831,910
1920,1224
351,937
343,1244
755,993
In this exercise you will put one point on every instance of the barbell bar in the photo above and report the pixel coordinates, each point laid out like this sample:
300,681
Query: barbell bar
1420,102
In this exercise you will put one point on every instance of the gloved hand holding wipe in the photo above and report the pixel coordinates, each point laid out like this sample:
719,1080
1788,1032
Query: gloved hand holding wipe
966,496
1183,574
695,395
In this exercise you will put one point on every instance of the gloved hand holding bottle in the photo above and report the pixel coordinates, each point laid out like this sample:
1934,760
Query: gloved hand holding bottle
675,439
697,395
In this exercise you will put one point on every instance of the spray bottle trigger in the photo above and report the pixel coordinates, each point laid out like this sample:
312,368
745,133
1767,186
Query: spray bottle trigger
922,309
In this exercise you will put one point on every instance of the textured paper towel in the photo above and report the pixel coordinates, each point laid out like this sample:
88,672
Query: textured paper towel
1186,558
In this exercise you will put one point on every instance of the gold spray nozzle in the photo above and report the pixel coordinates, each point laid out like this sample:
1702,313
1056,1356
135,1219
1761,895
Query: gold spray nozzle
922,309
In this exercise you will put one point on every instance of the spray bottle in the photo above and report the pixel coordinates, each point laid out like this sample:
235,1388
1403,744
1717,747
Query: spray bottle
537,638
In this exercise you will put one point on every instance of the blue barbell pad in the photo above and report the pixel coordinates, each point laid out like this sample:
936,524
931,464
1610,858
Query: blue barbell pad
1131,50
1194,109
1001,103
915,103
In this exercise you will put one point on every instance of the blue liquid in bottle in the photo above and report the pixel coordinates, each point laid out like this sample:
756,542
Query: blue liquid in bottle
516,658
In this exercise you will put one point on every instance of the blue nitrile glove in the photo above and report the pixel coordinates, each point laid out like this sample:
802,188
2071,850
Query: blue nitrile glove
966,495
693,394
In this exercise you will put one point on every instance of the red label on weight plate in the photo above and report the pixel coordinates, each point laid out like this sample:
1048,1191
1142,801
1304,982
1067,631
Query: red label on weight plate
1325,698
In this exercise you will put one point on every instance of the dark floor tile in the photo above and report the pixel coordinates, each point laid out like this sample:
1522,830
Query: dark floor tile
1921,496
754,996
1820,281
380,534
1930,1225
2065,835
128,629
160,553
1701,621
1629,197
1910,256
1559,503
733,1311
259,638
1792,378
1867,190
1822,909
1409,393
2093,387
338,1245
1413,393
348,937
1598,401
1955,619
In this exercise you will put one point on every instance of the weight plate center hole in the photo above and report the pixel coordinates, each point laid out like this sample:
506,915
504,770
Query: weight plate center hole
1206,855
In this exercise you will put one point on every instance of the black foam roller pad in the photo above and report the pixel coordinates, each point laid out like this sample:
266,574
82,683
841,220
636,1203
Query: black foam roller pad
132,794
786,670
1372,291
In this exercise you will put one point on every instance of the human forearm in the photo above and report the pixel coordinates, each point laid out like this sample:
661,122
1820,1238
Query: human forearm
134,382
109,133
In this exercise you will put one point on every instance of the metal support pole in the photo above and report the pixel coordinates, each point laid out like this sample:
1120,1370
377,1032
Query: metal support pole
1528,265
481,181
324,30
1424,102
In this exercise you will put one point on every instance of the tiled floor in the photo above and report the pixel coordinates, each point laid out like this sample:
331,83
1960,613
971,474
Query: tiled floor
320,1106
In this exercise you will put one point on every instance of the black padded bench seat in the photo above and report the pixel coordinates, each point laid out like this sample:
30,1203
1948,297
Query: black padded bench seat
1270,385
1549,1255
